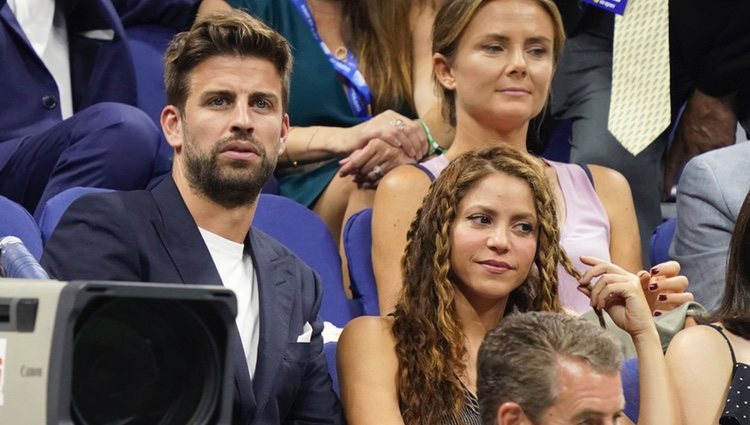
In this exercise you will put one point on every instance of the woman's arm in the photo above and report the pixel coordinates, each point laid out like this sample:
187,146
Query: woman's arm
397,200
625,245
700,365
367,366
614,192
619,293
320,142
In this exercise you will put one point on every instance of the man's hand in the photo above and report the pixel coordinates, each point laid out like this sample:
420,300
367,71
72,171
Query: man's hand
707,123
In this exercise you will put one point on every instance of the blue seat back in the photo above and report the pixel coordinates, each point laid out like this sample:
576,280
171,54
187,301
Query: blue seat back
358,250
16,221
55,207
660,241
631,388
305,234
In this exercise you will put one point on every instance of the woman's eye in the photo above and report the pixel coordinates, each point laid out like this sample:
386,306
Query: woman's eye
538,52
480,219
492,48
525,227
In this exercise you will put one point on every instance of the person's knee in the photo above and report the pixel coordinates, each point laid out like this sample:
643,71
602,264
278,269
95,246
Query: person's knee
122,139
123,128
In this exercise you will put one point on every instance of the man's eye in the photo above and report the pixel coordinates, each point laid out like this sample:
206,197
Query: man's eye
262,104
218,101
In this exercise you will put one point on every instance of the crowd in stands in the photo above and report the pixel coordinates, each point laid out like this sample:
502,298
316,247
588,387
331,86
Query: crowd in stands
504,278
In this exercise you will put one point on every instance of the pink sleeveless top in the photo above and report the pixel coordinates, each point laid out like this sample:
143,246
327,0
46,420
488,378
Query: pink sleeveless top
585,231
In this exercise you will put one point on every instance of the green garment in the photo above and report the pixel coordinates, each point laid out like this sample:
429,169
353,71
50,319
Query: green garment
317,95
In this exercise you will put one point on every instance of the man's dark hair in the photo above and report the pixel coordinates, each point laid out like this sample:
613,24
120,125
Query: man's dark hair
233,33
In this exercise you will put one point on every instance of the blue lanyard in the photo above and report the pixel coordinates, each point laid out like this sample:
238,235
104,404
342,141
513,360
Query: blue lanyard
357,91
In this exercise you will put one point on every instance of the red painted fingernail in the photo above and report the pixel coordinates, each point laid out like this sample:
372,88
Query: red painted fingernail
662,297
657,313
653,287
654,270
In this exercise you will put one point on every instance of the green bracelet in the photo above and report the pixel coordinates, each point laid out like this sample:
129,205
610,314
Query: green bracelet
432,146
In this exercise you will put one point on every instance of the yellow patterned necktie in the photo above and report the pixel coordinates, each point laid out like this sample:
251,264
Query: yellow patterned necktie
639,109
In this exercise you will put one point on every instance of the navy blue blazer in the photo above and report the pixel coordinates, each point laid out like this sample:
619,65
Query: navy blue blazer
150,236
101,69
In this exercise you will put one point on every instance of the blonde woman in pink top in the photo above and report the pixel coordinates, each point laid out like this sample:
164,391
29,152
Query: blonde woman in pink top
493,70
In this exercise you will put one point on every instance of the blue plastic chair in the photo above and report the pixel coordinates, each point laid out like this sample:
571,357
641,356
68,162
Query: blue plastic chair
631,388
55,207
305,234
660,241
16,221
358,250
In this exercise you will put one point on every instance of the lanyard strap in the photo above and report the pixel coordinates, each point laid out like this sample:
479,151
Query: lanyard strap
357,91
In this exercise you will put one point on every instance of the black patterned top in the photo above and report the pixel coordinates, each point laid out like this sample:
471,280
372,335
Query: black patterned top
469,415
736,410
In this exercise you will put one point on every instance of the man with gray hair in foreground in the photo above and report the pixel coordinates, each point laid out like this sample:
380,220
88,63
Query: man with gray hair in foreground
546,368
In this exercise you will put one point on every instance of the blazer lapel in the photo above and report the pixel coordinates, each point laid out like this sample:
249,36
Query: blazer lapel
188,251
181,237
276,296
9,19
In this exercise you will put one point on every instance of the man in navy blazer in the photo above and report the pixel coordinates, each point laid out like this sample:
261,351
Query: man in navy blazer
60,130
227,87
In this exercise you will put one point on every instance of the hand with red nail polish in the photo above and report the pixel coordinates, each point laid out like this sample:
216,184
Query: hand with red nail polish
619,293
664,279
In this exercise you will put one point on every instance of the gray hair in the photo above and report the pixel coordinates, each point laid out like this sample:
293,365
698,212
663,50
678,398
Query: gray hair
517,360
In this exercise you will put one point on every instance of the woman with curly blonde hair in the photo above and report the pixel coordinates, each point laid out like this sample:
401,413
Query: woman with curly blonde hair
446,307
484,243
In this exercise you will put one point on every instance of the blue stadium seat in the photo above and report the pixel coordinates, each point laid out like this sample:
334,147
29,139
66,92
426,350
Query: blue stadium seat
660,241
358,250
631,388
305,234
55,207
16,221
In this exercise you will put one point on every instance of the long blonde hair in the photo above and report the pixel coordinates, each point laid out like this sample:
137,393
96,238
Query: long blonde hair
430,344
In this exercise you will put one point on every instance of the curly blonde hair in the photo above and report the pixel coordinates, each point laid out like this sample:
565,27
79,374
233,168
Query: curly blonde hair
430,344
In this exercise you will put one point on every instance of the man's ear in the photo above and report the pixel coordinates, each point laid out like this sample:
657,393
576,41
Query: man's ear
284,133
511,413
171,125
443,71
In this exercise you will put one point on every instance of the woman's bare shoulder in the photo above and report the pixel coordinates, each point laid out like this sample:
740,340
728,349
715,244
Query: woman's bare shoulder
369,331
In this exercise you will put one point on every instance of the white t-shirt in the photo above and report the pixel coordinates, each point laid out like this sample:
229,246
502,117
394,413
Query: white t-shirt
45,28
238,274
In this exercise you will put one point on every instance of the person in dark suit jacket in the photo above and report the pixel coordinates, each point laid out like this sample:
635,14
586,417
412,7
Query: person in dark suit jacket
227,82
710,76
59,131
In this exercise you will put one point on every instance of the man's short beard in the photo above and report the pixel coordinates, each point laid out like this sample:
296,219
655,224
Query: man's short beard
235,185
